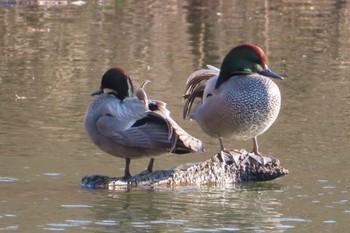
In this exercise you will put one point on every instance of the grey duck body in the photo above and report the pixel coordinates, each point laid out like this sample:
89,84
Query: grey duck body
111,134
238,101
130,127
243,108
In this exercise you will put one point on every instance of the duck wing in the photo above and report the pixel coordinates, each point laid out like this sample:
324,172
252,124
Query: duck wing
155,129
182,142
159,130
195,86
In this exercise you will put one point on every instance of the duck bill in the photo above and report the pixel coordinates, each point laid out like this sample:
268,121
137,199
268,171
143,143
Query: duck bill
267,72
98,92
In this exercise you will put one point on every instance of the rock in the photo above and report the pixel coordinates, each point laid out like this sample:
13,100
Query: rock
237,166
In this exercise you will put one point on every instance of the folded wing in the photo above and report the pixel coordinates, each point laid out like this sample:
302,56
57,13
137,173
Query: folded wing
155,130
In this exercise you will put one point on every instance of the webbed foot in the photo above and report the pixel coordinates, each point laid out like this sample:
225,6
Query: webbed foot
261,159
229,157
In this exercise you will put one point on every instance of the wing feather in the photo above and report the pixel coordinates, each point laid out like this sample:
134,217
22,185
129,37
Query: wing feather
195,86
154,129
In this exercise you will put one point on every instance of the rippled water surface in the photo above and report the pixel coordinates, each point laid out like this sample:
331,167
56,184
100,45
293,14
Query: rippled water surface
52,55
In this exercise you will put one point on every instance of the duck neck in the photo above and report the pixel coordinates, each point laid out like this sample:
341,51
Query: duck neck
224,77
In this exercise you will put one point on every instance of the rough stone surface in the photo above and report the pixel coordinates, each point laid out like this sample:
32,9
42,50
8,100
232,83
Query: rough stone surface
238,166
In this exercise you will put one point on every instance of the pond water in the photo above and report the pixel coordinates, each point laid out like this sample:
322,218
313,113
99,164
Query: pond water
52,56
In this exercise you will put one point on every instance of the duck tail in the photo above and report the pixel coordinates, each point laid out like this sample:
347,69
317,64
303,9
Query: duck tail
195,86
183,142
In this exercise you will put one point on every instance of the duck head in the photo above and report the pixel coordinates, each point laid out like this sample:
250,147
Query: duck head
244,59
115,81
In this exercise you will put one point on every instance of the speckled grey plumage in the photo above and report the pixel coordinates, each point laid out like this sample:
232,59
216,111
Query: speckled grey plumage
244,107
251,105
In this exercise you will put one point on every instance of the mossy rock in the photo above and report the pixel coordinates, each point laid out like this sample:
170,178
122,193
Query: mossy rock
222,168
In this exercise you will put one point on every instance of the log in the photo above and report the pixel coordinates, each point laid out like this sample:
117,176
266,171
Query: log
223,168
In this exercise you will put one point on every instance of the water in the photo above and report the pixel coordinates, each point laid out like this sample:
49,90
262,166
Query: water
52,55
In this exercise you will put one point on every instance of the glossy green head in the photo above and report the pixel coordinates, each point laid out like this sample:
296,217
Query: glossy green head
118,82
244,59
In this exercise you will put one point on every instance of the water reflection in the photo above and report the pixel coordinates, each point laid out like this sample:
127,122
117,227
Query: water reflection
192,209
47,3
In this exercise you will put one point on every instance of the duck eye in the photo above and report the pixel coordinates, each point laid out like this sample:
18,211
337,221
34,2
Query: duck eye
209,95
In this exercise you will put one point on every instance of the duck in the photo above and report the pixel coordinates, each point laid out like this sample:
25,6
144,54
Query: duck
128,125
238,101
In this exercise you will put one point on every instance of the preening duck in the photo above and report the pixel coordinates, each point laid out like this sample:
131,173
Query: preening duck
131,127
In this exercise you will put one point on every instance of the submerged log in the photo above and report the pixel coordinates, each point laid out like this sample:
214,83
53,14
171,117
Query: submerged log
237,166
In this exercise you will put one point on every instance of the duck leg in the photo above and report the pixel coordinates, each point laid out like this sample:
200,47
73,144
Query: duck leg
150,165
221,144
225,155
256,150
127,174
256,146
222,152
149,168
